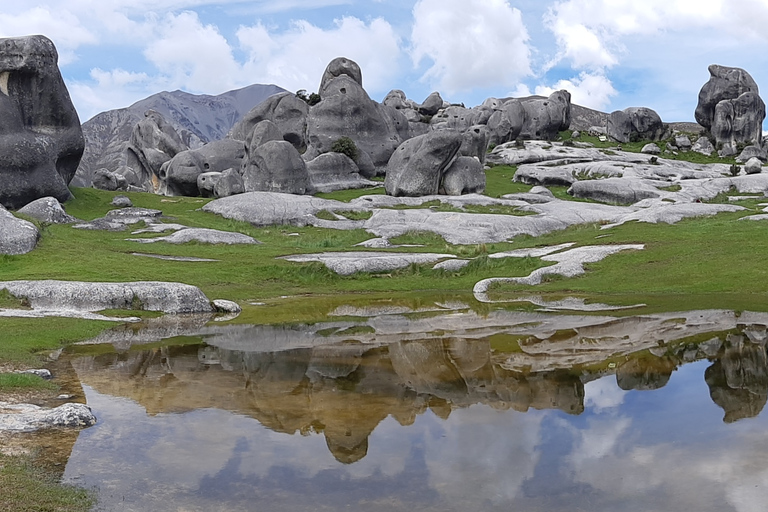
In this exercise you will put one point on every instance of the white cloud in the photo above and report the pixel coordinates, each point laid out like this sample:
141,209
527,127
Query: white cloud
193,56
471,43
63,28
588,90
108,90
296,58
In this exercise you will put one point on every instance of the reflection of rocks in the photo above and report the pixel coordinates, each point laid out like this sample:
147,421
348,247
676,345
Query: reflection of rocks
646,373
738,380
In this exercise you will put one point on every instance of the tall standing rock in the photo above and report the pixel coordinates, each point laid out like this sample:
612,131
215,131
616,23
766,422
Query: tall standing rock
731,109
287,111
153,143
41,141
546,117
346,110
635,123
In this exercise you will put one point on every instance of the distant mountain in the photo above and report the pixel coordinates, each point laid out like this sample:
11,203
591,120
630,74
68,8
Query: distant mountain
198,118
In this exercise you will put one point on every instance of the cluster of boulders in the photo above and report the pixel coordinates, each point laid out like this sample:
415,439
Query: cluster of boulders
286,144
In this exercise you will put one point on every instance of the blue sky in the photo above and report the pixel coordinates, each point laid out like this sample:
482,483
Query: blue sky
610,54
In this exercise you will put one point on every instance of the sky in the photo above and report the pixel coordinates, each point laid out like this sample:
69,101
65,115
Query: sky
609,54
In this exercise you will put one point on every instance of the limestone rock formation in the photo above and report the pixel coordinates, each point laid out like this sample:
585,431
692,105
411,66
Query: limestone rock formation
153,143
635,123
346,110
546,117
285,110
335,171
41,141
418,165
275,166
464,176
48,210
198,118
338,67
506,123
731,109
17,236
178,176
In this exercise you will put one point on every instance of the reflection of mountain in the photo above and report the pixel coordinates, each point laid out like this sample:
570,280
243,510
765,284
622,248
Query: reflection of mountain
738,380
343,391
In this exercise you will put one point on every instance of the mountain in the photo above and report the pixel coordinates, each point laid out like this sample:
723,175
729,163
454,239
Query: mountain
199,118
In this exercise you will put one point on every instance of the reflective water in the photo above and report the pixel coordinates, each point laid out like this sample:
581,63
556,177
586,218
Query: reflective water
447,409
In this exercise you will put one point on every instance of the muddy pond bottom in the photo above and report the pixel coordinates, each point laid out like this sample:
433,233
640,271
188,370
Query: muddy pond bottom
452,411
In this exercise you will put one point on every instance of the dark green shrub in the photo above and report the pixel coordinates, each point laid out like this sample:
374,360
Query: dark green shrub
309,99
345,146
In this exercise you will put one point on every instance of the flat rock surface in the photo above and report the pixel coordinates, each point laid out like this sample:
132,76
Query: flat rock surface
269,208
87,296
17,236
202,235
568,263
347,263
28,417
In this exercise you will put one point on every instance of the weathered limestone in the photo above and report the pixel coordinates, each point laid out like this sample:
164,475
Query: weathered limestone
275,166
41,141
545,118
335,171
731,109
29,418
285,110
635,123
86,296
178,176
348,263
48,210
418,165
17,236
153,143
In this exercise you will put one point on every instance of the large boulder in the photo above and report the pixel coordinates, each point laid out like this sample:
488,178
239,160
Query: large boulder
17,236
346,110
335,171
506,123
153,143
47,210
738,122
338,67
275,166
634,124
179,175
41,141
287,111
731,109
475,142
418,165
431,105
545,118
464,176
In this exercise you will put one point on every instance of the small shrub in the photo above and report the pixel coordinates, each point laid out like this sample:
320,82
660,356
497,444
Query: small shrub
654,161
309,99
734,170
345,146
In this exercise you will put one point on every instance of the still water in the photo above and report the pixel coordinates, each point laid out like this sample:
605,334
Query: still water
444,408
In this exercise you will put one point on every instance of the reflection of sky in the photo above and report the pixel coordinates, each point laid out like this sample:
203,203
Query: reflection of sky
666,449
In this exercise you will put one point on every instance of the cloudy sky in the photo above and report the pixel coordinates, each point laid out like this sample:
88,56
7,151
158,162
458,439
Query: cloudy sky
610,54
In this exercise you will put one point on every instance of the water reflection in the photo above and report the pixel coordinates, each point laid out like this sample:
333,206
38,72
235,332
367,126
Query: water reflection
396,412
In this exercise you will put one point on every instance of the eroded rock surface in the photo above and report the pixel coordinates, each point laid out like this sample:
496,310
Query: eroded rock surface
41,141
17,236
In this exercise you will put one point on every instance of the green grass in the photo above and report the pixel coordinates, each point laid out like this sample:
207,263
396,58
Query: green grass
11,381
26,487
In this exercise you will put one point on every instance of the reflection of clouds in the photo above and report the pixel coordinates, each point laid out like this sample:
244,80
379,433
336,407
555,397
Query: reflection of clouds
599,440
482,455
603,394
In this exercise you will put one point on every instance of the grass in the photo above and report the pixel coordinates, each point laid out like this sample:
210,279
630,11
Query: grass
13,381
26,487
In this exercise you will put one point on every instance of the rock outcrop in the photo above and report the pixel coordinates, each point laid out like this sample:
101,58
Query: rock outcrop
41,142
179,176
635,123
285,110
276,166
546,117
418,165
153,143
731,109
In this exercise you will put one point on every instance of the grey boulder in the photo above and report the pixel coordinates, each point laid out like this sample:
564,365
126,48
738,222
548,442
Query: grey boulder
431,105
346,110
153,142
17,236
104,179
48,210
41,141
651,149
725,83
418,165
635,123
335,171
276,167
475,142
229,183
738,122
338,67
464,176
506,123
753,166
29,418
703,146
545,118
178,177
285,110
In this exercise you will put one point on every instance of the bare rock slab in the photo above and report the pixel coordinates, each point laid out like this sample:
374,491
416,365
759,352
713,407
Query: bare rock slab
202,235
348,263
85,296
